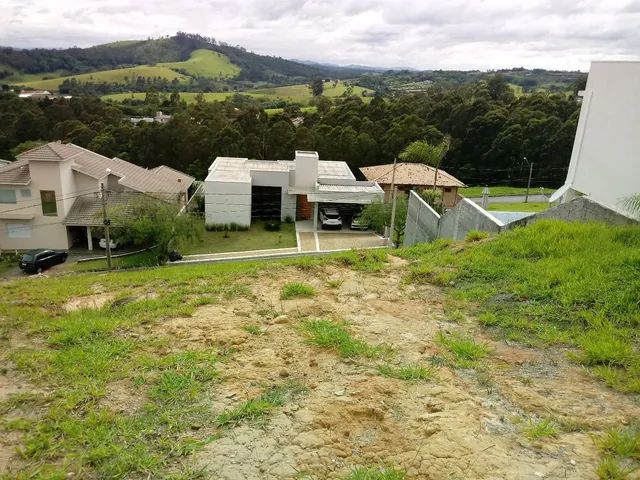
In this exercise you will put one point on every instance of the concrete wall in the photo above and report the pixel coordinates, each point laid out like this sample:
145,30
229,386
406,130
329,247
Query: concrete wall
581,209
422,221
605,161
467,216
227,202
306,173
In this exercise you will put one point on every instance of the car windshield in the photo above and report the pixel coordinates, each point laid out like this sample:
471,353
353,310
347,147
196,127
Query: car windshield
332,215
27,258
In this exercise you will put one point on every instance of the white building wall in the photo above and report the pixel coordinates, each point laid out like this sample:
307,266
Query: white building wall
41,231
227,202
605,162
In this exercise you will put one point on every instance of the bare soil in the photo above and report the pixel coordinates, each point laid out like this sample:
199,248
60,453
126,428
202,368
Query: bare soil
465,424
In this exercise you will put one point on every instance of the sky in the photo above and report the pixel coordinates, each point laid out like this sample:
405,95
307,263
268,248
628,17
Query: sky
423,34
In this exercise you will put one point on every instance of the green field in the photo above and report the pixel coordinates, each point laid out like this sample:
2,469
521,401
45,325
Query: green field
119,75
502,191
203,63
292,93
520,207
206,63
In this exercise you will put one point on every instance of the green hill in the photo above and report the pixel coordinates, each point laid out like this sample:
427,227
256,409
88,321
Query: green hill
119,75
205,63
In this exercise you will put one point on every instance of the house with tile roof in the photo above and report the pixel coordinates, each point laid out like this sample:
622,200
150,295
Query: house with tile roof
49,196
415,176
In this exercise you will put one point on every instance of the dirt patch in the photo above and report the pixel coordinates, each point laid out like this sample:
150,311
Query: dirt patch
454,427
95,301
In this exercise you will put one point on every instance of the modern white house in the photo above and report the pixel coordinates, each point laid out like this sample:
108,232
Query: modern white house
49,196
238,190
605,161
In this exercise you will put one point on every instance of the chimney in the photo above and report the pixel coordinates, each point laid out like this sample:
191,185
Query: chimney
306,164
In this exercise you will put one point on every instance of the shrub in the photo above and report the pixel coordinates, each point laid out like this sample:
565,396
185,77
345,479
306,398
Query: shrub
272,225
288,219
475,235
297,289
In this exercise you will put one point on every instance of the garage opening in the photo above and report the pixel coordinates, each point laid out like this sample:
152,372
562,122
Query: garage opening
347,211
266,203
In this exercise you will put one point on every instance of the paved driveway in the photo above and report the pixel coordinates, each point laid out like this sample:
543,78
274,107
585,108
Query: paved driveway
343,240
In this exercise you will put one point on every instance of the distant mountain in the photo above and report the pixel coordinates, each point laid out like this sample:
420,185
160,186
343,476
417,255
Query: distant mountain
177,48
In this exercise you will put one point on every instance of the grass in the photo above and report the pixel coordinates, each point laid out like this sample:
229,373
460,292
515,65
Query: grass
256,238
205,63
475,236
465,350
137,260
545,428
551,283
501,191
376,473
291,93
253,329
409,372
297,290
519,207
622,442
257,408
118,75
335,336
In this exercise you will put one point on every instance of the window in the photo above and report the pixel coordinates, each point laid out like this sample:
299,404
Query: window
7,196
18,230
48,201
447,189
25,193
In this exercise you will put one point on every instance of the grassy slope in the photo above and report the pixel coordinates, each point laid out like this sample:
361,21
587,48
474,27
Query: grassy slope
292,93
502,191
552,283
110,76
206,63
80,355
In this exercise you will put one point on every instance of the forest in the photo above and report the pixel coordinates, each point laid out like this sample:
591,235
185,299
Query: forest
492,130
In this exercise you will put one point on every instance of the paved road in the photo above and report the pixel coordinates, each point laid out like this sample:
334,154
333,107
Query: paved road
511,199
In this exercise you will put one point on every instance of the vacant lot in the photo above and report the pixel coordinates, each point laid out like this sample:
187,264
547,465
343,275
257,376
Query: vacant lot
445,363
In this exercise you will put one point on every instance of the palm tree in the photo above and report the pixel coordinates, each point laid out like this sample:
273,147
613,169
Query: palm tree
422,151
632,204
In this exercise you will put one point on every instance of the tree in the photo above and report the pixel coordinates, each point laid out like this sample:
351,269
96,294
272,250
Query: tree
378,215
149,221
632,204
422,151
316,86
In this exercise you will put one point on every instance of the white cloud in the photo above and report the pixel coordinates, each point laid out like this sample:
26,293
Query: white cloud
421,33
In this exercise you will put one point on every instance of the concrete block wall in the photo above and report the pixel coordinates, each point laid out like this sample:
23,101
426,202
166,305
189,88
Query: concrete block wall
422,221
227,202
464,217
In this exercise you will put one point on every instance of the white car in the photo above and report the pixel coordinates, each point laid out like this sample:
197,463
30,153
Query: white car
112,243
357,224
330,218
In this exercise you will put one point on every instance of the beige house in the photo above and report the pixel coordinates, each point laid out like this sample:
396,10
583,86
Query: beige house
414,176
50,196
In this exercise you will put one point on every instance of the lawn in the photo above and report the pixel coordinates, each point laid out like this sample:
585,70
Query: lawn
206,63
256,238
119,75
291,93
502,191
142,259
520,207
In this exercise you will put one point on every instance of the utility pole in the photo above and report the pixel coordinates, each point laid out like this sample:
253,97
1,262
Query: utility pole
526,197
393,201
106,222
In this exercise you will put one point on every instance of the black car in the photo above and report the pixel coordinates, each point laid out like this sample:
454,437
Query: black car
35,261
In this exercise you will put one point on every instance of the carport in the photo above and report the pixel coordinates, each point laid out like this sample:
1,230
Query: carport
343,192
